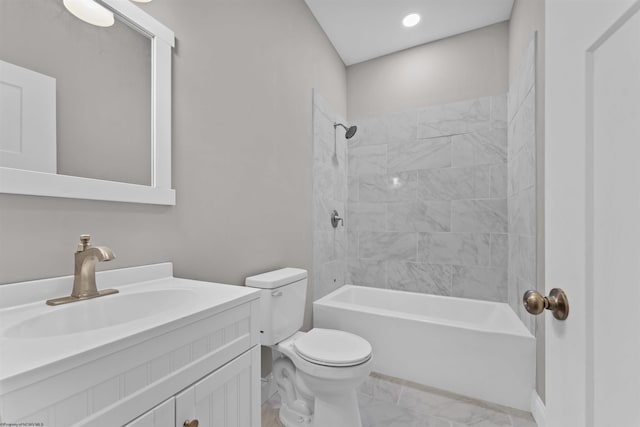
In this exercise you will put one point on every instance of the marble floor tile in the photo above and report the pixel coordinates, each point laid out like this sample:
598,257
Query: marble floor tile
380,413
382,387
522,419
457,409
270,416
466,413
391,402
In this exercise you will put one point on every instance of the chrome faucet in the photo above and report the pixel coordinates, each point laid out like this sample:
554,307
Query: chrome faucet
84,277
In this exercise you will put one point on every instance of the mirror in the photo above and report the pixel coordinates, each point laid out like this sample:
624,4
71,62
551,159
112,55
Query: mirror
109,137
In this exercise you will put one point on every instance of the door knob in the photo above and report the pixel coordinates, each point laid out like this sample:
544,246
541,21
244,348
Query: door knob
557,302
191,423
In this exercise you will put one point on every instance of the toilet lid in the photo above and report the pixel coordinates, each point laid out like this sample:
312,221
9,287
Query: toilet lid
332,348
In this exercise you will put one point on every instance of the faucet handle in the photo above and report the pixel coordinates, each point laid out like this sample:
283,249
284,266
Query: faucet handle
84,242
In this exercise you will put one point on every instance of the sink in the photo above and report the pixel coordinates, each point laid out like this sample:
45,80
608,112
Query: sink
105,360
99,313
38,340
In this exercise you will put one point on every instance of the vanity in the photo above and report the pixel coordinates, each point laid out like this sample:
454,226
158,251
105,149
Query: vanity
162,352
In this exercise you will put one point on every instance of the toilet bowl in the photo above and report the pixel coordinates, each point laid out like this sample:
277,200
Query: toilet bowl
317,372
330,379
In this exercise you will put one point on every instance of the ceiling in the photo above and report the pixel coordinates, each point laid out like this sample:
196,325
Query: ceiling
364,29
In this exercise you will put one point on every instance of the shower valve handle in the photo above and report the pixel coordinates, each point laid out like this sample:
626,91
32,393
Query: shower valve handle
335,218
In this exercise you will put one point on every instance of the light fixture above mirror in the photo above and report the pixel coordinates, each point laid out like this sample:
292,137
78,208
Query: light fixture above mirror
91,12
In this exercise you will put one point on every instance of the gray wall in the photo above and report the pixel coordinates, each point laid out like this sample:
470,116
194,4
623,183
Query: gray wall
466,66
527,17
242,155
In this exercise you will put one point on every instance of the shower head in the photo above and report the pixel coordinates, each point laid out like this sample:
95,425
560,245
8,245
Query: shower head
350,131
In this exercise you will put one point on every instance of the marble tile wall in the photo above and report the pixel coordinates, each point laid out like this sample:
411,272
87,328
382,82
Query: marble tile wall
521,185
329,193
426,200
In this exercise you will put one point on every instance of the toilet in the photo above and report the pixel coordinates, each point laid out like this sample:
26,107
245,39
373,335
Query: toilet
316,372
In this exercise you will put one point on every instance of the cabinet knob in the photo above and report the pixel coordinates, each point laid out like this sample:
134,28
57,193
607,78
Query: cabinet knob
191,423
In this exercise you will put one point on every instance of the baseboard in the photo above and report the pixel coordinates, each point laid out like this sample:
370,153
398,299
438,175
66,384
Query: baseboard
538,410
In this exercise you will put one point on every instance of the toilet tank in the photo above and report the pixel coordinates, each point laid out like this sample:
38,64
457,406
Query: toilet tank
282,301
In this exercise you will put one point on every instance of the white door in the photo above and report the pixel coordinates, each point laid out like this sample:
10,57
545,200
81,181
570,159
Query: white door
592,211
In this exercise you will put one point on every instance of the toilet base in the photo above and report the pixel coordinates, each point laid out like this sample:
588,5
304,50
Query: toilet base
316,395
296,407
339,410
292,418
310,401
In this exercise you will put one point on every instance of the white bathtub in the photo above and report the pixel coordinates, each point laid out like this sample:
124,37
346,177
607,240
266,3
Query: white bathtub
474,348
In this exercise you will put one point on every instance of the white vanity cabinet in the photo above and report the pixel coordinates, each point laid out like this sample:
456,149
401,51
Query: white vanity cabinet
197,359
163,415
226,397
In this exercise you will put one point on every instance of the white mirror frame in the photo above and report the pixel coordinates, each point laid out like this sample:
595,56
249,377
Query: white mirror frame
18,181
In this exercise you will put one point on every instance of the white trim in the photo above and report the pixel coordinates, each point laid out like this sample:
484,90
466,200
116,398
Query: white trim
137,17
161,115
15,181
538,410
19,181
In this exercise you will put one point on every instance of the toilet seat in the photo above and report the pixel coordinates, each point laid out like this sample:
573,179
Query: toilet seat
329,347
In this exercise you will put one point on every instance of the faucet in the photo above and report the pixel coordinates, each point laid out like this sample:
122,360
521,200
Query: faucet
84,277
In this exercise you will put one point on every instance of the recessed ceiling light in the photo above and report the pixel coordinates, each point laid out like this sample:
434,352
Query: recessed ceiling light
411,20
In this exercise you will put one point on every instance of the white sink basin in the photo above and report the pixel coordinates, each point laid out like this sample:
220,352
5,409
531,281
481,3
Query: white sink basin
111,357
37,339
102,312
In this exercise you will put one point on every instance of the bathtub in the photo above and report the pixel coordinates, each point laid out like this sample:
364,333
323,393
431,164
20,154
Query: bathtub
474,348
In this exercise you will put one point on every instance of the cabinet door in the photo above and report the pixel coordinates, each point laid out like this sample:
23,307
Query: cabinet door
162,415
229,397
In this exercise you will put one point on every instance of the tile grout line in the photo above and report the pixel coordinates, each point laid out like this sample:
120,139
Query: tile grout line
397,403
